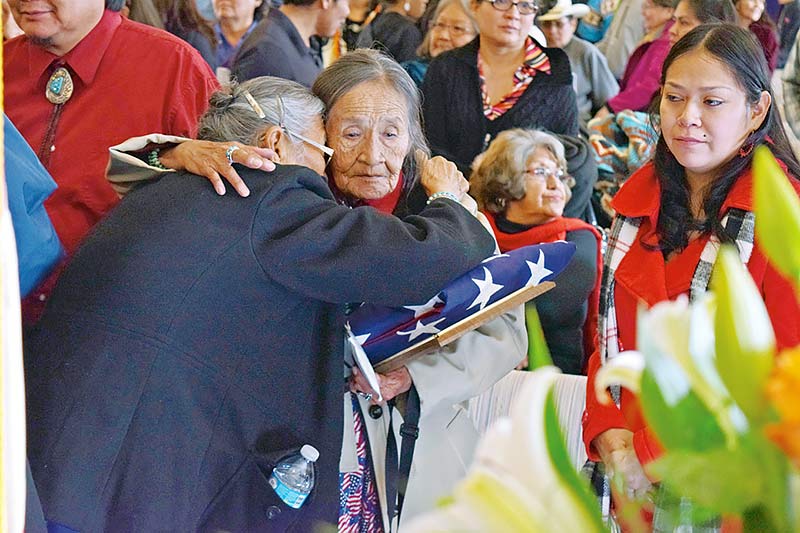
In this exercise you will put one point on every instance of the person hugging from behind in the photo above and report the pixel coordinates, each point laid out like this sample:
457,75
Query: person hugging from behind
592,80
521,185
453,27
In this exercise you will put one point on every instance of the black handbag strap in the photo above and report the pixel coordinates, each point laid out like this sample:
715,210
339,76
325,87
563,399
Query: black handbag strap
397,474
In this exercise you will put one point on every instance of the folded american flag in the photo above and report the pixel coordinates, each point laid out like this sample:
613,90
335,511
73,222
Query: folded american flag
385,331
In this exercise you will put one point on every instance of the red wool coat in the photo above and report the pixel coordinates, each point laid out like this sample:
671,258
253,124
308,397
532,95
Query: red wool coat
643,276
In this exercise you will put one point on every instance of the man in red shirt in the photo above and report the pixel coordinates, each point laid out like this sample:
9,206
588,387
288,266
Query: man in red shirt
82,79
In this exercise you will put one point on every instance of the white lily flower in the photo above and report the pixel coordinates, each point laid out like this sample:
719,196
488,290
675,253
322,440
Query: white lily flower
522,479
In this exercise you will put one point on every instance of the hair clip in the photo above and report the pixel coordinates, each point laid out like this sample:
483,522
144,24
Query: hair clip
256,108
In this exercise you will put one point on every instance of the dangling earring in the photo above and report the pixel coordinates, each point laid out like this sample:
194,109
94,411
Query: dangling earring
407,7
745,150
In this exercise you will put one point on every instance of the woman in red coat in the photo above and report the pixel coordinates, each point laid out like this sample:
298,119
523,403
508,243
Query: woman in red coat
715,106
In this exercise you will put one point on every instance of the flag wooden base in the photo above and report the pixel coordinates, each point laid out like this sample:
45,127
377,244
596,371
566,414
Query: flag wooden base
458,329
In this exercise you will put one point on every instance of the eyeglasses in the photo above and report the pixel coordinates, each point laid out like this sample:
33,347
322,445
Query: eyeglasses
542,174
455,31
524,8
327,152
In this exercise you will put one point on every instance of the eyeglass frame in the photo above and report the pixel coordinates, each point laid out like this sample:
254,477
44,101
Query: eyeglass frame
458,31
326,150
560,174
513,3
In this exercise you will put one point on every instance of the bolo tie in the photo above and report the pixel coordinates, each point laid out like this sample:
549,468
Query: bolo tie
58,91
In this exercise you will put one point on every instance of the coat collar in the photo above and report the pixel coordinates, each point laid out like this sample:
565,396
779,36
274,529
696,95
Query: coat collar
84,59
643,271
640,196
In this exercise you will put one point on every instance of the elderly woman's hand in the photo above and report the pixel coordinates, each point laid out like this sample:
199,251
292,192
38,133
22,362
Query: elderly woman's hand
391,384
211,160
615,448
441,175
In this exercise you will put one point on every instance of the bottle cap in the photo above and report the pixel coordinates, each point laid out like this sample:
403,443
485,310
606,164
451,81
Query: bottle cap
309,453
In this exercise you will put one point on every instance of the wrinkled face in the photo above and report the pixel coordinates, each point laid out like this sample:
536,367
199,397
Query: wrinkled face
368,130
654,16
559,32
750,10
451,29
685,21
57,25
705,119
502,28
545,194
235,10
332,17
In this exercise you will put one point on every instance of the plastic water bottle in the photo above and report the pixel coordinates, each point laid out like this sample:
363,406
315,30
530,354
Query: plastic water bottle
293,476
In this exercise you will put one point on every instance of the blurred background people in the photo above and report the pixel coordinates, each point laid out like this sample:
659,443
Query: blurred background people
593,81
182,19
501,80
521,184
753,17
362,12
235,20
623,35
690,14
395,29
453,26
642,73
286,43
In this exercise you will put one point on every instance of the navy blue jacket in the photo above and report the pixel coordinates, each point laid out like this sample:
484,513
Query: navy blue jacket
194,340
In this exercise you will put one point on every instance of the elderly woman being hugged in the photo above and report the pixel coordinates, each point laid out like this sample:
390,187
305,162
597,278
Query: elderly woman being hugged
521,186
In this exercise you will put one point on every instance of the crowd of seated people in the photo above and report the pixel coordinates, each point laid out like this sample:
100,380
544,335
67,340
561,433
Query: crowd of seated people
187,338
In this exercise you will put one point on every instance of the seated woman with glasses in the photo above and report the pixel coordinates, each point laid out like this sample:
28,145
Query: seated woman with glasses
503,79
453,26
521,186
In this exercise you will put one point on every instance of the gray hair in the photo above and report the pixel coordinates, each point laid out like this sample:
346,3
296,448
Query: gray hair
231,117
499,175
424,49
361,66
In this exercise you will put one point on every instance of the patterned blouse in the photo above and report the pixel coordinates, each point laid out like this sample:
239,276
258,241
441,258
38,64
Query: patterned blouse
535,61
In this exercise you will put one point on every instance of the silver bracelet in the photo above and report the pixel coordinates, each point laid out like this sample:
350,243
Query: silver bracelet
443,194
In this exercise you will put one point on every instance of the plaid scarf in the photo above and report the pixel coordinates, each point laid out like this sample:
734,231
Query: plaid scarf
740,225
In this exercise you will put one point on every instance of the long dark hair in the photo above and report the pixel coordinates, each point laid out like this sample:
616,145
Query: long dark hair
181,17
713,11
737,49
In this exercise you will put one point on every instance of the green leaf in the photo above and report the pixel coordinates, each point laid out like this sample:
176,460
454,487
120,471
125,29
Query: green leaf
538,352
684,425
750,480
556,446
745,342
777,211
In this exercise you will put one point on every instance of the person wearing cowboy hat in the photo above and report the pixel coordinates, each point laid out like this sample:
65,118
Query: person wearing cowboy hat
592,80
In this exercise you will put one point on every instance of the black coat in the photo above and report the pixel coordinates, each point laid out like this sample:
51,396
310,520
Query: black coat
454,121
393,33
276,48
193,340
